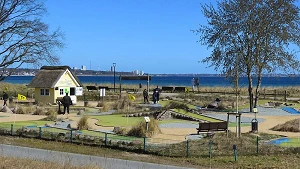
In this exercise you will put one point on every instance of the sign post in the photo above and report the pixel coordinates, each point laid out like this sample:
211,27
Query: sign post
147,119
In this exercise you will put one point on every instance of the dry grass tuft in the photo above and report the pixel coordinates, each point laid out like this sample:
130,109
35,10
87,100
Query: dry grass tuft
289,126
83,123
139,130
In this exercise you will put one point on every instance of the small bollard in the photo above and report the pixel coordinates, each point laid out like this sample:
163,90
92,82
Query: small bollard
234,152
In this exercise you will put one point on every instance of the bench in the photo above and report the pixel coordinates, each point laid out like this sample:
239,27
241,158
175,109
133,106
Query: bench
103,87
179,89
167,89
91,88
212,126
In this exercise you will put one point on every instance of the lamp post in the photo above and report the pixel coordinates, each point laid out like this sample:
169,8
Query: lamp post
114,65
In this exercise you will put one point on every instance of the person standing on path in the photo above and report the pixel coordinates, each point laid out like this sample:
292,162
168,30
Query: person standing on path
66,102
145,94
5,98
157,91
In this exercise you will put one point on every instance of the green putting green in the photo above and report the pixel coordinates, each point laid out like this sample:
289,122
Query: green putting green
292,142
117,120
26,123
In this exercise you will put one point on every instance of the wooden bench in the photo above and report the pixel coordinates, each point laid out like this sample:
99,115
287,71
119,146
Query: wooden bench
167,89
212,126
103,87
179,89
89,88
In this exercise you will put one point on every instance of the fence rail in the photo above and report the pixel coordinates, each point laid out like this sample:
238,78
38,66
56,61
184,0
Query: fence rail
204,147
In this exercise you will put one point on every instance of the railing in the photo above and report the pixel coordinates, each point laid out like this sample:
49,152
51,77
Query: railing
204,147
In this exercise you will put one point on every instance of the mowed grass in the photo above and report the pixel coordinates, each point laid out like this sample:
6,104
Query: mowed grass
293,142
201,117
117,120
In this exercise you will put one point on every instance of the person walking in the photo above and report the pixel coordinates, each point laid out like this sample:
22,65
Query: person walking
66,102
145,94
5,98
154,96
157,91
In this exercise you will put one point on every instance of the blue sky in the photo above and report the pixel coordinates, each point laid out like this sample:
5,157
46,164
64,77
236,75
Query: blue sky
149,35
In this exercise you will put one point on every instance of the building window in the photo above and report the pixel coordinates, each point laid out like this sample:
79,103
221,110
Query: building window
61,91
45,92
42,92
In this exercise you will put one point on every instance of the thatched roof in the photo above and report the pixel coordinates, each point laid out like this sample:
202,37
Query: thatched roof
48,76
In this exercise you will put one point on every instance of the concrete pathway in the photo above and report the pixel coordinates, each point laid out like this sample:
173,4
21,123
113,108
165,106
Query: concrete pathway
77,159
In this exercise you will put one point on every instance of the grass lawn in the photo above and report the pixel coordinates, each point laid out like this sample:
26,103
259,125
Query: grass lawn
196,115
117,120
19,124
294,142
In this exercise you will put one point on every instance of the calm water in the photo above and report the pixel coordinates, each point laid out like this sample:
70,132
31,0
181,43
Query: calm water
173,81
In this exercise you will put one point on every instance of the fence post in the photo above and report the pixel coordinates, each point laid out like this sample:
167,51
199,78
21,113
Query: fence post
256,144
71,136
285,95
105,139
144,144
187,148
40,132
12,129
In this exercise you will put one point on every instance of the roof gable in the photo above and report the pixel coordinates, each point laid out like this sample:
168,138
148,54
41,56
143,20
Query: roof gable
48,76
66,79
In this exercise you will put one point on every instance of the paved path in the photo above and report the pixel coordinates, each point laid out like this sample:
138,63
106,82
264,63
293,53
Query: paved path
77,159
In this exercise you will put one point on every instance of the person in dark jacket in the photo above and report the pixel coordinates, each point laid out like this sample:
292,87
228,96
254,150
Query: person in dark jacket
66,102
157,91
5,98
145,94
154,96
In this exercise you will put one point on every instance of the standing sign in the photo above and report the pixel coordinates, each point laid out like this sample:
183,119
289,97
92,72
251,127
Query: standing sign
102,92
78,91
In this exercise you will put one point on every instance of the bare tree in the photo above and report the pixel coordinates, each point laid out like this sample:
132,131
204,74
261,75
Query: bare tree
252,37
24,38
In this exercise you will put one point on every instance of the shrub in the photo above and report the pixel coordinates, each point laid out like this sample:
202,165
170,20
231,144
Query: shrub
120,130
51,115
289,126
83,123
20,110
139,130
38,111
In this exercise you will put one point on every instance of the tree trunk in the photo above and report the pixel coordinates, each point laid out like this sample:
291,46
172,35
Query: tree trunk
257,89
250,91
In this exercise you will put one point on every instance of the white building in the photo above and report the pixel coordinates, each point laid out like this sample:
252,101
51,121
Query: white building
83,67
142,72
136,72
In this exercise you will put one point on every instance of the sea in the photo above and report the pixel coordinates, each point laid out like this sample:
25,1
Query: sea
173,81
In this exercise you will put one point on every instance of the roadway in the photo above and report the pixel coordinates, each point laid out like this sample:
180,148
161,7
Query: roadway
77,159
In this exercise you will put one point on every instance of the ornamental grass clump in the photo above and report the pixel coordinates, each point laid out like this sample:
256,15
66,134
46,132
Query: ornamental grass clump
289,126
83,123
139,130
51,115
